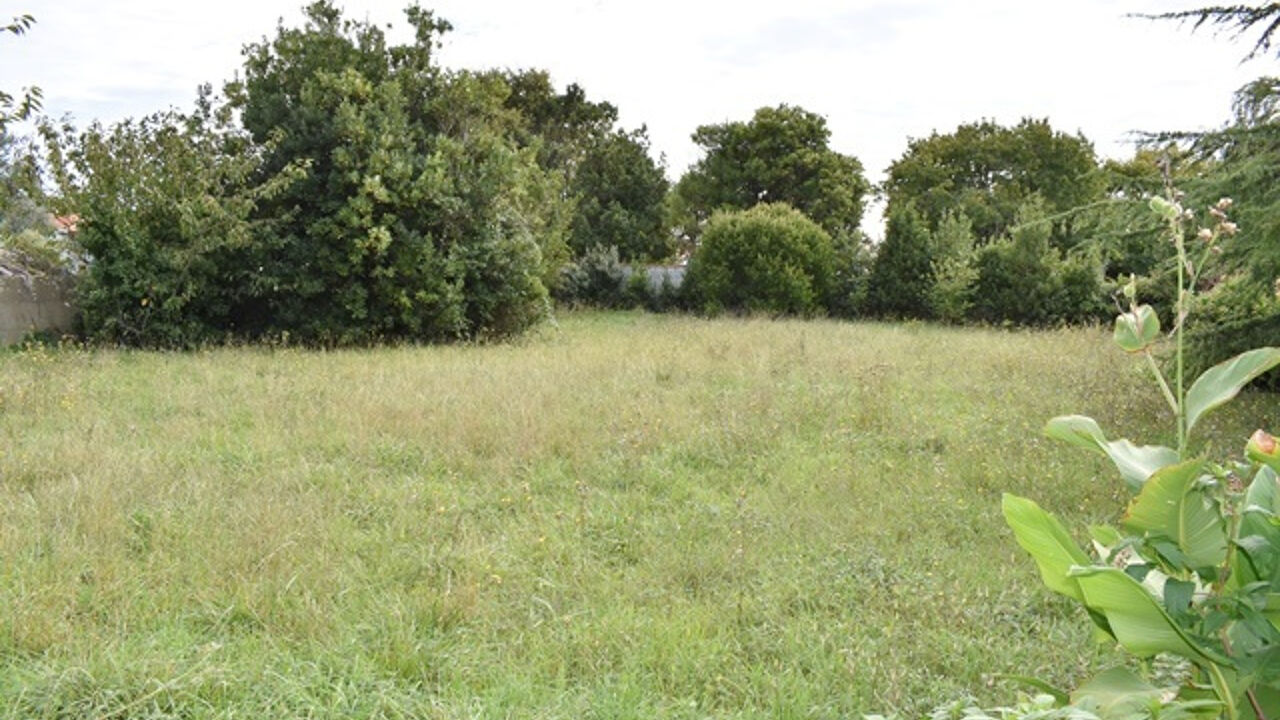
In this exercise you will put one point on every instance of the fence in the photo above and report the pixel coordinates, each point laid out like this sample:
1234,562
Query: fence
30,303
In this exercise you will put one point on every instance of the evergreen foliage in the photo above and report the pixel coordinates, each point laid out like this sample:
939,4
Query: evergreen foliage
903,271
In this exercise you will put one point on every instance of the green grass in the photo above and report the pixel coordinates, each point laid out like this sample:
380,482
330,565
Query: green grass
629,516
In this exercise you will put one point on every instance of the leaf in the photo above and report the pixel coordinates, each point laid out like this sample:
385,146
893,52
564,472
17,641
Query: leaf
1172,505
1258,537
1136,463
1059,696
1137,330
1138,622
1177,596
1116,692
1049,544
1223,381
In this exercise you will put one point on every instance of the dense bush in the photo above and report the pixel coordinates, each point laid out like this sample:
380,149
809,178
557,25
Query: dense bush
417,216
371,196
1022,279
770,258
954,273
169,239
596,279
1229,319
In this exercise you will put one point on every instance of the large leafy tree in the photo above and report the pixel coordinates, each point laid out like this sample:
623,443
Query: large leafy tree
608,173
620,192
987,171
414,215
562,126
782,154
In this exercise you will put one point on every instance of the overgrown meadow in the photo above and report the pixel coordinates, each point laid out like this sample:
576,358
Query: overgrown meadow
623,516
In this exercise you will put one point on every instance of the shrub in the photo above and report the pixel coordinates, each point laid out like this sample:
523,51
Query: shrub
954,273
1024,280
1230,319
166,239
370,196
597,279
770,258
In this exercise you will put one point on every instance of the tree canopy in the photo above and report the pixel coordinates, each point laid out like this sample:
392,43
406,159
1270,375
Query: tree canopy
609,174
987,171
782,155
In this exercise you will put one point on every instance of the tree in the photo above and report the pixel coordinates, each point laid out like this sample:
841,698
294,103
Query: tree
1239,19
414,216
987,171
16,109
781,155
903,271
771,258
165,215
562,126
616,188
620,192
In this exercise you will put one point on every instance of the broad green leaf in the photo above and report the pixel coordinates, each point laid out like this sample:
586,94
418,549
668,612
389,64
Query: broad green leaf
1117,692
1259,537
1263,491
1105,535
1221,382
1137,620
1136,463
1172,505
1049,544
1137,330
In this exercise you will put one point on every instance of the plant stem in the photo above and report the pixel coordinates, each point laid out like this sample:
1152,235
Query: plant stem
1223,690
1181,309
1257,708
1164,384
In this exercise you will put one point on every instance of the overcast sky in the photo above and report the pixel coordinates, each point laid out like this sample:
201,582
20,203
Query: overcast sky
880,72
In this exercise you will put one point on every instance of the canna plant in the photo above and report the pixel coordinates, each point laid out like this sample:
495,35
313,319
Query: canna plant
1193,567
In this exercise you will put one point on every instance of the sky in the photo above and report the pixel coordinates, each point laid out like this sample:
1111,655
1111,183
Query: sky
880,72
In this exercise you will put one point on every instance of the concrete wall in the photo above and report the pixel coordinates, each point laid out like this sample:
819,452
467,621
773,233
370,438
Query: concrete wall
33,303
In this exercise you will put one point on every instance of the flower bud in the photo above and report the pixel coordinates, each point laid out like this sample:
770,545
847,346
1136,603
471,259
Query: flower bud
1216,212
1224,203
1205,234
1263,448
1230,228
1131,287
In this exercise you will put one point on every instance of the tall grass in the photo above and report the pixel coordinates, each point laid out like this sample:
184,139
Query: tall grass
627,517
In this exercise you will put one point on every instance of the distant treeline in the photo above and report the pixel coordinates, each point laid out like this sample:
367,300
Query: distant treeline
343,190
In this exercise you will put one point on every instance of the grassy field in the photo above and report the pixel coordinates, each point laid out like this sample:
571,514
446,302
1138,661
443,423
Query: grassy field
627,516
